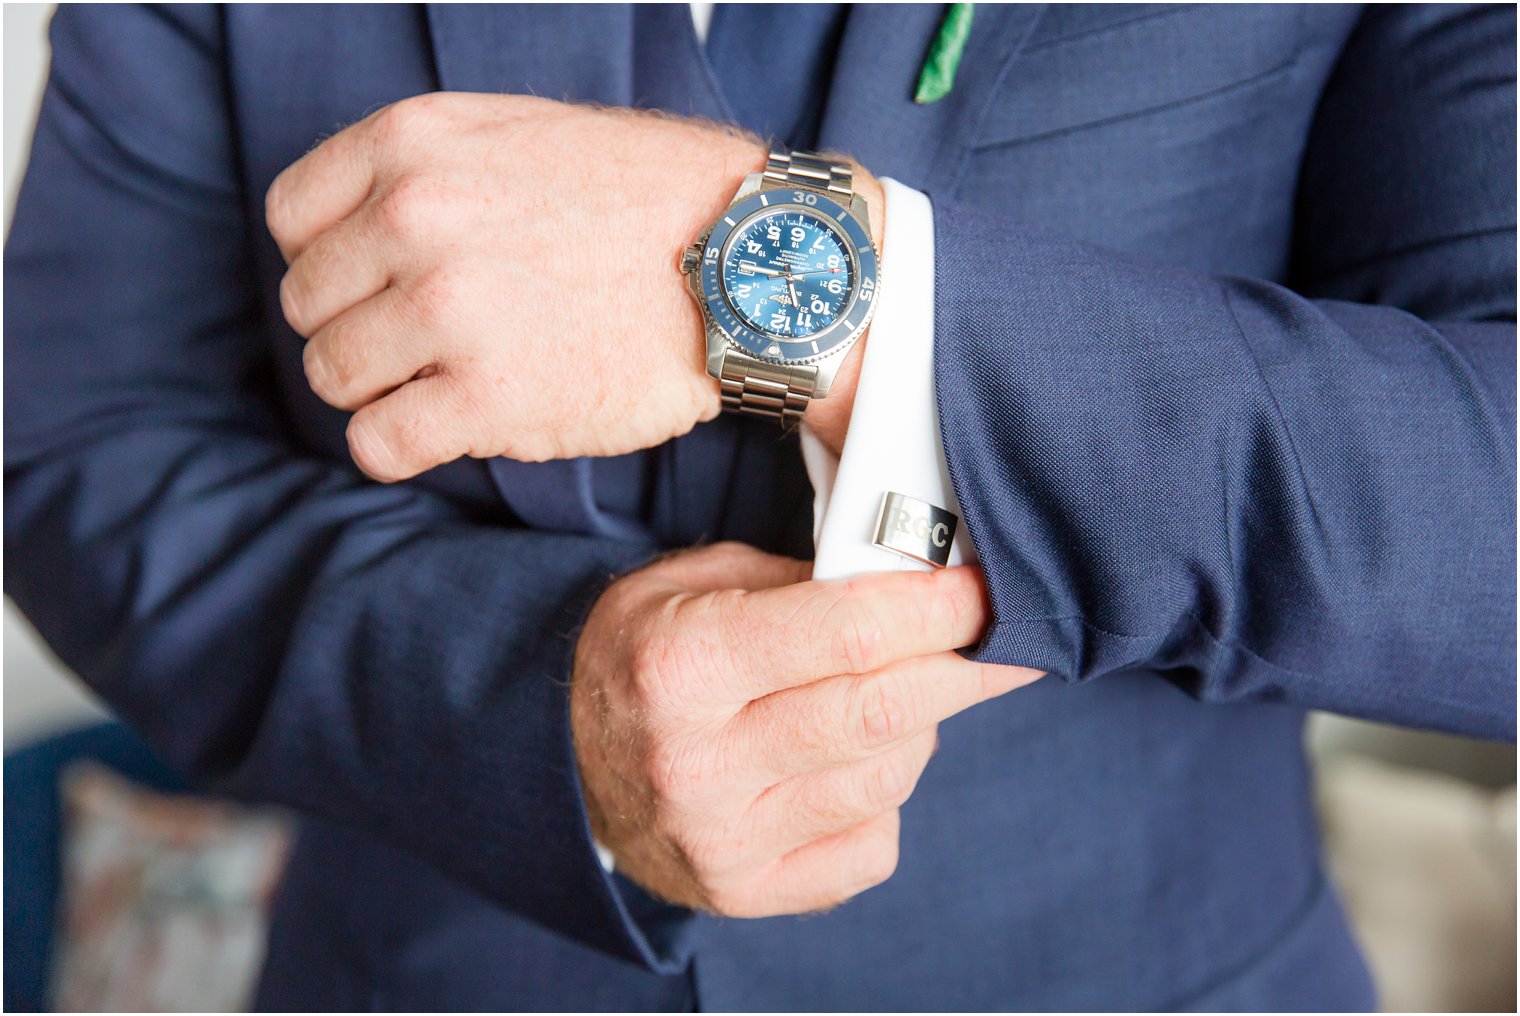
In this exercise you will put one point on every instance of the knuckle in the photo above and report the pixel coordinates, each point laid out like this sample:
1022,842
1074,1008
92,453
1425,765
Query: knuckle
823,802
936,610
719,606
319,372
322,259
725,604
291,300
660,666
964,606
433,295
859,636
421,106
685,657
333,360
891,781
404,119
917,609
962,609
885,713
277,209
406,207
343,351
371,449
804,734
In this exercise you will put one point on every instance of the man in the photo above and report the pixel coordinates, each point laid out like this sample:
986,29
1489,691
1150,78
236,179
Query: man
1219,466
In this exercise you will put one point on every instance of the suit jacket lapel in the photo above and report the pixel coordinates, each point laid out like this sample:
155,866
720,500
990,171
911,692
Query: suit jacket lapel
871,113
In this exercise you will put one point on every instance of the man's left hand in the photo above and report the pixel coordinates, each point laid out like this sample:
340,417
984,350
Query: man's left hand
496,275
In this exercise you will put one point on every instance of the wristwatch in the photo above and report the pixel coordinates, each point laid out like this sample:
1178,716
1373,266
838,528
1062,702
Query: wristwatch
786,279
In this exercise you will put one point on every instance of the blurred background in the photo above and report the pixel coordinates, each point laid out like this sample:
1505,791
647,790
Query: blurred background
1419,828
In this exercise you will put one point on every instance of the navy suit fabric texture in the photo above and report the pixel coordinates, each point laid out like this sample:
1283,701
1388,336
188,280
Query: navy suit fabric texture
1225,361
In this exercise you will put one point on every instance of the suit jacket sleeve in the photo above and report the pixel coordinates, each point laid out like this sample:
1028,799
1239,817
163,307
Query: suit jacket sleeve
1302,494
272,622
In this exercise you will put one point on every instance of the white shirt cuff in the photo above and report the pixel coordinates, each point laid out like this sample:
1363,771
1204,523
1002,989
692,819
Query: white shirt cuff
893,443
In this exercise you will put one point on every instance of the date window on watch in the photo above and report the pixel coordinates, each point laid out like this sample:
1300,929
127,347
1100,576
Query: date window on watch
915,529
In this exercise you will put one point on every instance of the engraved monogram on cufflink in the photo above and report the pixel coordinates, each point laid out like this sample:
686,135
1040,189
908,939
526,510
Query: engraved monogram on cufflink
915,529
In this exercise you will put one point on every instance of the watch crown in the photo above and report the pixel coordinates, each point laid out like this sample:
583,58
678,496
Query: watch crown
691,257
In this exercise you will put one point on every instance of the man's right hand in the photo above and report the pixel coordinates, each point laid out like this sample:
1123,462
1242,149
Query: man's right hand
746,736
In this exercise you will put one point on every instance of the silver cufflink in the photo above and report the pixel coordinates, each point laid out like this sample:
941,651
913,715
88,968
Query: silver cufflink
915,529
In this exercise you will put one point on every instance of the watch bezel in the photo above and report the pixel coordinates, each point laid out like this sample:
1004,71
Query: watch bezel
757,343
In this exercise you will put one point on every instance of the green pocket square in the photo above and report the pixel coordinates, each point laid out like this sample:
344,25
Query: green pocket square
938,75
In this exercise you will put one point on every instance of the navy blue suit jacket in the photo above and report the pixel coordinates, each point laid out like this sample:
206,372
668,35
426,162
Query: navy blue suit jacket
1225,353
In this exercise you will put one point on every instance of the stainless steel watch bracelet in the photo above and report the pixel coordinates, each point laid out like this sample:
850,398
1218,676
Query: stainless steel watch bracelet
758,388
785,168
777,390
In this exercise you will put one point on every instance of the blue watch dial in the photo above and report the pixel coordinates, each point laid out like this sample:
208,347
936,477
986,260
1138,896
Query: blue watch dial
803,294
787,273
